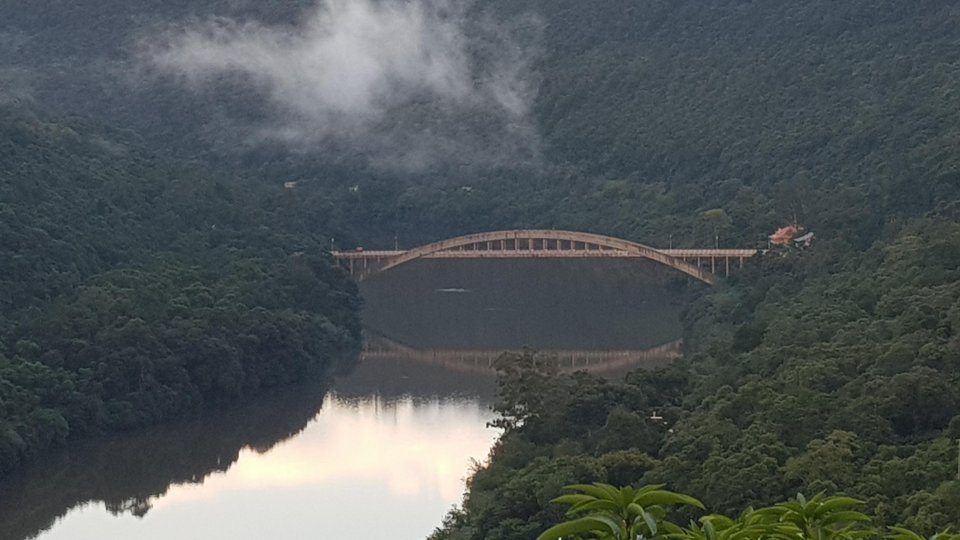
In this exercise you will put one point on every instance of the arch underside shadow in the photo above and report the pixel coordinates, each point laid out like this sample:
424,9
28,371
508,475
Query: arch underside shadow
541,244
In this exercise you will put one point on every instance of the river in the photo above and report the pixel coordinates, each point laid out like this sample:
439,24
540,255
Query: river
381,452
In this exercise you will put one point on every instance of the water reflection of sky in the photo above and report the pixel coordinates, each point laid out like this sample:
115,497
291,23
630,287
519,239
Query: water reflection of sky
361,469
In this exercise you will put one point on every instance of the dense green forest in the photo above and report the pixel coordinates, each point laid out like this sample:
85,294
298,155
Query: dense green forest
649,114
832,369
134,290
813,371
138,283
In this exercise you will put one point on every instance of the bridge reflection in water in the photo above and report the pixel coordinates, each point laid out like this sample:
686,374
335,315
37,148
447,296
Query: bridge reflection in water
599,362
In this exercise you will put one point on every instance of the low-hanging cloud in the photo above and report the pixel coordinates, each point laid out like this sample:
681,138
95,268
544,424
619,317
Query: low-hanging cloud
409,82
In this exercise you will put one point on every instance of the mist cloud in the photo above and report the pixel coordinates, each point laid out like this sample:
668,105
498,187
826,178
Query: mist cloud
411,83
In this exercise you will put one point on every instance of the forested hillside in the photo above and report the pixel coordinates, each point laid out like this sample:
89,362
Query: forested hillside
825,370
689,122
648,114
833,369
133,290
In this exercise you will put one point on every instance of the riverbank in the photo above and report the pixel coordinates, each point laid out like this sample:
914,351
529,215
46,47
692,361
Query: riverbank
821,370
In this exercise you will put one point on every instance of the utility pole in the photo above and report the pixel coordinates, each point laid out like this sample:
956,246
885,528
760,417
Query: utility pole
958,459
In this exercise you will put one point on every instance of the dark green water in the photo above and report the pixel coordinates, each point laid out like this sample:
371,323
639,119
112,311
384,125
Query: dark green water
539,303
308,461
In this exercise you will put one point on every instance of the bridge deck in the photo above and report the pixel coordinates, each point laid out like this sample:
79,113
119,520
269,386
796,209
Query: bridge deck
551,253
707,253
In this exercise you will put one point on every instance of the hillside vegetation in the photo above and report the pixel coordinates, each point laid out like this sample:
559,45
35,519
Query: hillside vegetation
832,369
684,122
649,114
813,371
133,290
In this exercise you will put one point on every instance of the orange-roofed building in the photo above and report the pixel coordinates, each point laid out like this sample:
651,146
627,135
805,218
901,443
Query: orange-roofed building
784,235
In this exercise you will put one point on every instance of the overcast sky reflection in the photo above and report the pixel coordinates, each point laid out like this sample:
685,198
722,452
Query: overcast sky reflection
361,468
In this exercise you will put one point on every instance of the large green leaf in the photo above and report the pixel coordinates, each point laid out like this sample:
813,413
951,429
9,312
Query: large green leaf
834,503
595,524
572,498
662,498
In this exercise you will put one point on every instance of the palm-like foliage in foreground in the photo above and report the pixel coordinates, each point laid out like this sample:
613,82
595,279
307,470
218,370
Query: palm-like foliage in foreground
606,512
603,512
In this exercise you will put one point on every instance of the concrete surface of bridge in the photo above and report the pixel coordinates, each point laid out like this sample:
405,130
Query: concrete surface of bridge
701,264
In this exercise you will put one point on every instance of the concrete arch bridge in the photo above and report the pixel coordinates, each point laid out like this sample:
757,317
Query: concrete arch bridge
701,264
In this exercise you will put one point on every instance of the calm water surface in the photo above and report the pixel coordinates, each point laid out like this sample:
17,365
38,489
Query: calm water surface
383,452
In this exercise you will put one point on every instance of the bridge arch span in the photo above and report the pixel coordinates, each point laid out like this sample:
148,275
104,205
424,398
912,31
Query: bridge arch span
534,243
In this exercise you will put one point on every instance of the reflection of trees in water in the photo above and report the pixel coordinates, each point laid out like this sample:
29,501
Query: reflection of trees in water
125,472
393,377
